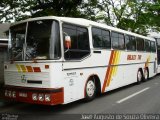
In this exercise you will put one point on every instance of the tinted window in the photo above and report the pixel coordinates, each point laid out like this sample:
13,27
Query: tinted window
101,38
153,46
43,40
18,40
158,44
130,42
147,46
79,41
117,40
140,44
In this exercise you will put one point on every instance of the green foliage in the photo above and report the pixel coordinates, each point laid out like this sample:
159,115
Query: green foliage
21,9
134,15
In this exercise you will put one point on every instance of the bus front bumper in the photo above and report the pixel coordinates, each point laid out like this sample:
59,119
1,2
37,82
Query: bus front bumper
45,96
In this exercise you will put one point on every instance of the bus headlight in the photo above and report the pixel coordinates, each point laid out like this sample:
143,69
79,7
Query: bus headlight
34,97
41,97
47,97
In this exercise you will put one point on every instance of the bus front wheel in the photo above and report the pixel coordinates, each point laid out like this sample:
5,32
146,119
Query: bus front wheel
90,90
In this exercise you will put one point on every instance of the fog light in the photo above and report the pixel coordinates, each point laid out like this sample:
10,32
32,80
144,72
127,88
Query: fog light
41,97
14,94
47,97
34,97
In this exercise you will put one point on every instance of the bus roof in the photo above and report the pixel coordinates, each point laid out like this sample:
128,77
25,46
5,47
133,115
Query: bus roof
84,22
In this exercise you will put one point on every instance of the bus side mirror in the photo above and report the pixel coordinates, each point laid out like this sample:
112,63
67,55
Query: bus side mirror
67,42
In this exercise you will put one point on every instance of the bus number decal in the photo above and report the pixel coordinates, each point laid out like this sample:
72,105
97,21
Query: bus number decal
134,57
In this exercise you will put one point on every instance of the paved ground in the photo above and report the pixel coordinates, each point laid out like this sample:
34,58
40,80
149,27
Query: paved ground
132,99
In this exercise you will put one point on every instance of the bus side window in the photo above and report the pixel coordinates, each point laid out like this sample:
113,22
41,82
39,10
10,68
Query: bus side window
117,41
130,43
140,44
79,41
101,38
147,46
153,46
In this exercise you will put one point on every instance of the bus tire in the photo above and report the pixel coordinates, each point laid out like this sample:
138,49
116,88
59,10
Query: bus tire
90,90
146,74
139,76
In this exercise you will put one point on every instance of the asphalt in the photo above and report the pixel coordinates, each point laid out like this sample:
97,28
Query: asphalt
132,99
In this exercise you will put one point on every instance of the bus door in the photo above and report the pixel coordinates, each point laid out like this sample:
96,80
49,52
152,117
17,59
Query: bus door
76,48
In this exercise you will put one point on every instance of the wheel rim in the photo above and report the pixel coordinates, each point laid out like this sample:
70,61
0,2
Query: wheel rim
139,76
90,88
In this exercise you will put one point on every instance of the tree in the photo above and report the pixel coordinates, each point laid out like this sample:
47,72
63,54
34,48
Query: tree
131,15
153,10
57,8
17,10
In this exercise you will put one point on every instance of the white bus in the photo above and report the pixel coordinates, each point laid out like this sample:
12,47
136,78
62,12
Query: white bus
58,60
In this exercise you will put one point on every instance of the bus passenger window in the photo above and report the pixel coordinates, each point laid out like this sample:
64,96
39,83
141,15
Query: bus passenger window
130,43
79,41
153,46
101,38
140,44
117,41
147,46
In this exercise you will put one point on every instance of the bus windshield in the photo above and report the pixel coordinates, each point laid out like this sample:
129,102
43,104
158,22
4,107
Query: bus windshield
40,41
17,40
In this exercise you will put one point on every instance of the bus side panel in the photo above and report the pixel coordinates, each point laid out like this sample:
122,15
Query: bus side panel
114,69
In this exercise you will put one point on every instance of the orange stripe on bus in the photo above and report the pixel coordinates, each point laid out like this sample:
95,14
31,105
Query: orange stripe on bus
112,68
108,71
110,77
29,69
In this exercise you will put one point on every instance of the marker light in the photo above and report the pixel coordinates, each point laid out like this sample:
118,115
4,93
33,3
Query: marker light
46,66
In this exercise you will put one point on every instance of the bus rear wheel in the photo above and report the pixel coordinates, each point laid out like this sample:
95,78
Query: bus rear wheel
139,77
90,90
146,74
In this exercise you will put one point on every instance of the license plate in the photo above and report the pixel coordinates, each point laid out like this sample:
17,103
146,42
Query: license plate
22,94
